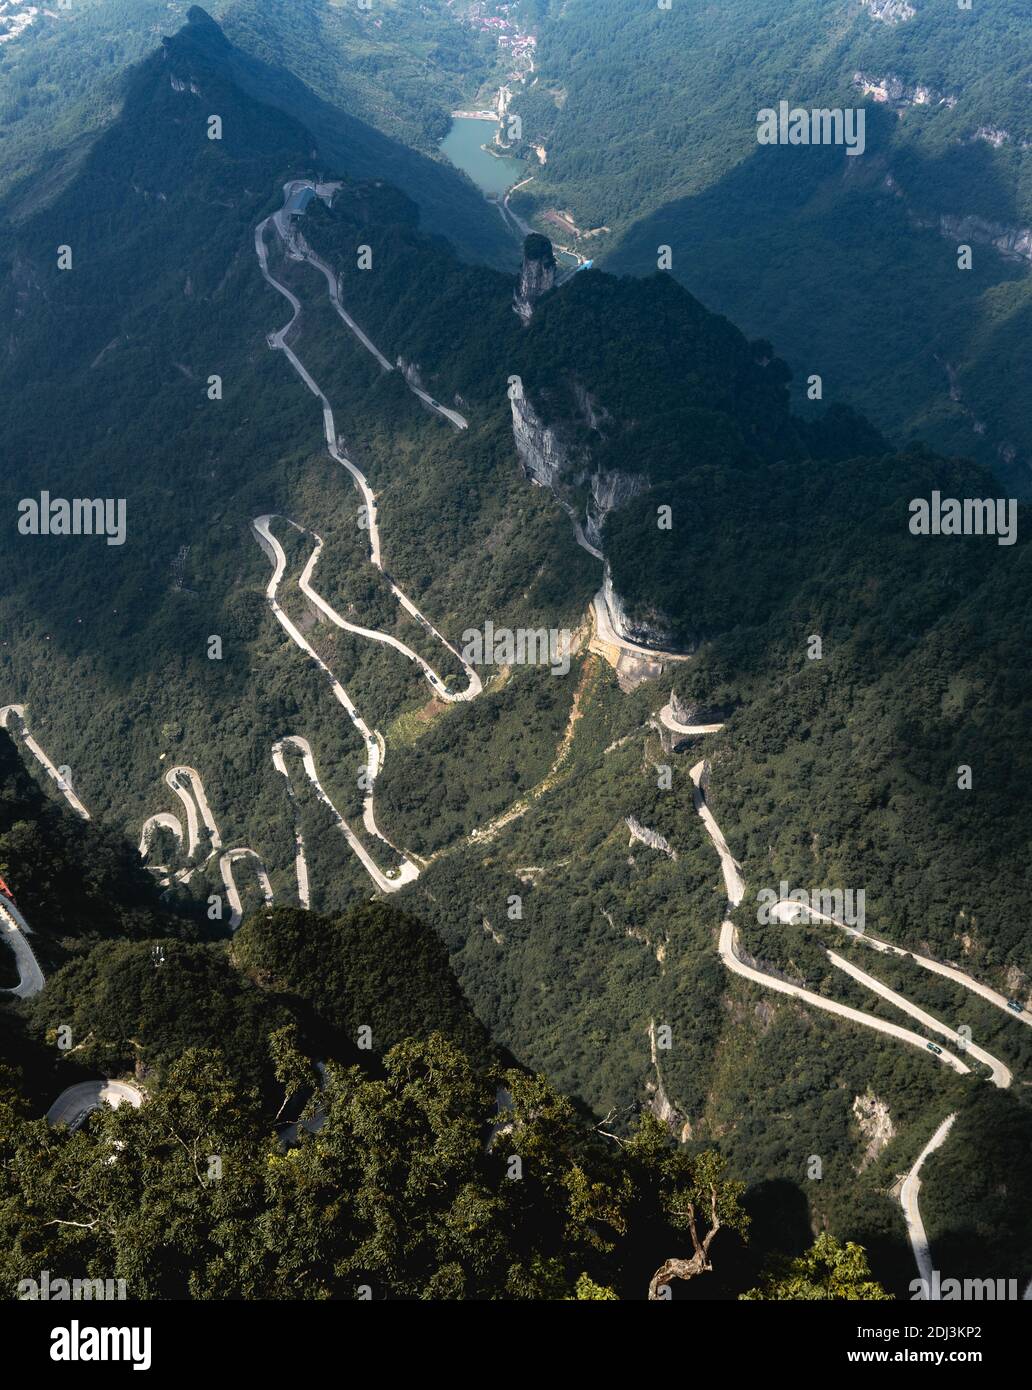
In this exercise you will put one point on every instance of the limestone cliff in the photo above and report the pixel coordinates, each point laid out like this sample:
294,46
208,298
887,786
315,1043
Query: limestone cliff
693,712
556,456
889,11
1015,243
536,277
649,628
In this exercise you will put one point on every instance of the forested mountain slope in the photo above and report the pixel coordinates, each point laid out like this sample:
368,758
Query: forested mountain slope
838,769
648,117
357,80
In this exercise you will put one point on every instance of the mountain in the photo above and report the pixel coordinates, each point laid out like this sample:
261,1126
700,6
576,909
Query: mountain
647,119
69,74
536,820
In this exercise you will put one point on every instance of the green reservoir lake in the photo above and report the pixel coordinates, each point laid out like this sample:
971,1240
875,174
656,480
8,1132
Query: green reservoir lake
462,146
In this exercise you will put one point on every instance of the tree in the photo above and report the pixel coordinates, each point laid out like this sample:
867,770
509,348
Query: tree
693,1194
827,1270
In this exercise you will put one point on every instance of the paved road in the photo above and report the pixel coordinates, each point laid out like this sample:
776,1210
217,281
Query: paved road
74,1104
188,785
234,856
911,1211
951,972
474,685
735,886
298,249
666,718
12,717
1001,1074
295,198
16,931
407,871
607,632
164,820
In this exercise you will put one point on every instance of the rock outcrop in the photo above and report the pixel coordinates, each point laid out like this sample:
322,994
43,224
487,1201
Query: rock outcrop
652,838
875,1125
889,11
536,277
695,712
1014,243
544,455
648,629
891,90
609,492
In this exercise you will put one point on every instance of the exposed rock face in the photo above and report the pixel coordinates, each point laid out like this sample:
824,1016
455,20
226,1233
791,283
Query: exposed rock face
1015,243
609,492
992,135
536,277
538,446
893,91
551,457
652,838
875,1124
410,371
650,629
694,712
659,1102
889,11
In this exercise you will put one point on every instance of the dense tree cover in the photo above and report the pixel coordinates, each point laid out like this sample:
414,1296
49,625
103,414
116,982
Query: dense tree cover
415,1186
375,90
612,935
374,967
139,1006
649,119
827,1271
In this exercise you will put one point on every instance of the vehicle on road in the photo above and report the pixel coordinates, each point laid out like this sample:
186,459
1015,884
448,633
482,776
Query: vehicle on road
1011,1003
932,1048
6,891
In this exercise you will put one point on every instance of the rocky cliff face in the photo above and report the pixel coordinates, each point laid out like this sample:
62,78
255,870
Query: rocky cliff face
550,458
648,629
695,712
889,11
536,277
652,838
609,492
1013,242
891,90
411,372
875,1125
544,456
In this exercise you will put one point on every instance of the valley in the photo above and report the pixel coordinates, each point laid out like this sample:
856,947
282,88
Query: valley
358,813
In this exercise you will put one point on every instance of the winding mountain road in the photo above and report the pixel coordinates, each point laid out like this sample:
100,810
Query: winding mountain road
786,909
297,195
909,1193
407,871
75,1103
666,718
188,785
12,718
728,948
16,932
235,856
